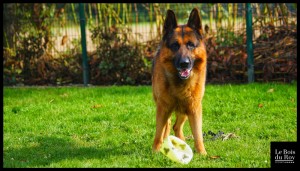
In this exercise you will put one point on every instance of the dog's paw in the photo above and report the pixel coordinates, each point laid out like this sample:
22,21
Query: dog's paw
155,149
203,153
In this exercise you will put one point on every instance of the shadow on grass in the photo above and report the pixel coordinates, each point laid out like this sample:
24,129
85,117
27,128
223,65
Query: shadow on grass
52,149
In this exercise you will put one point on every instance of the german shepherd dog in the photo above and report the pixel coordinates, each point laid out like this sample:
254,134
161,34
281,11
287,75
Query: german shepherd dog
178,79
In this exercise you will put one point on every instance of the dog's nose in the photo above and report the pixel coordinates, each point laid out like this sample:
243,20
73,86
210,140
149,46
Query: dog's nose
184,62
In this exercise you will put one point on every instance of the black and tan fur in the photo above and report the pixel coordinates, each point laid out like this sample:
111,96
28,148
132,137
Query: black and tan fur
178,79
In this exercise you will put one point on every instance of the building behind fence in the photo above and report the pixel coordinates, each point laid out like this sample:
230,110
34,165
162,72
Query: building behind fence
42,42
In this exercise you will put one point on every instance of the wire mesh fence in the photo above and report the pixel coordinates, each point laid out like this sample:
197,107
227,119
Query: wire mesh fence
42,42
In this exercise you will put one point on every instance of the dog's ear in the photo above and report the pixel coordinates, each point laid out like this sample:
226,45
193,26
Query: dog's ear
194,21
170,23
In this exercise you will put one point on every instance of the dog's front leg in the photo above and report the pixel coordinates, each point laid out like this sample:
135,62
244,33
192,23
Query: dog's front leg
163,122
195,120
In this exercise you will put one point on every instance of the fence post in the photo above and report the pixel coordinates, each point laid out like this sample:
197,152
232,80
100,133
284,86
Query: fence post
250,60
83,44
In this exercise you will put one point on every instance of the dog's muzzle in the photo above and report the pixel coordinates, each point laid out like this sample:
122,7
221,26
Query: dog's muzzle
184,66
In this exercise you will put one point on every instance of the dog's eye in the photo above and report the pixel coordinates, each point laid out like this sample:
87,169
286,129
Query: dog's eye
175,46
190,45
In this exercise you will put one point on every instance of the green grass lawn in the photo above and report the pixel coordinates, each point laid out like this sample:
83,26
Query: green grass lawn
115,126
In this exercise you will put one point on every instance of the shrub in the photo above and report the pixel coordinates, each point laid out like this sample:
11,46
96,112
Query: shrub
118,59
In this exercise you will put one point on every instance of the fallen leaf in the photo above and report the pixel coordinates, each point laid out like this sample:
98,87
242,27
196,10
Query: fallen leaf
64,95
97,106
189,137
271,90
228,135
214,157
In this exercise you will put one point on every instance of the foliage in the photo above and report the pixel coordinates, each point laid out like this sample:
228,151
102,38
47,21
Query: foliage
226,37
12,67
30,30
32,63
118,59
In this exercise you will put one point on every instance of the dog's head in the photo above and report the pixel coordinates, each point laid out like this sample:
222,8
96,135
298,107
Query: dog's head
184,42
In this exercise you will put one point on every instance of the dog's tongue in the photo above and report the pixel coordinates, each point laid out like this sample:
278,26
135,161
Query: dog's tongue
184,73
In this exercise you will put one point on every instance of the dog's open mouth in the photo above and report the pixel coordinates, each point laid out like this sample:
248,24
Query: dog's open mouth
184,73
